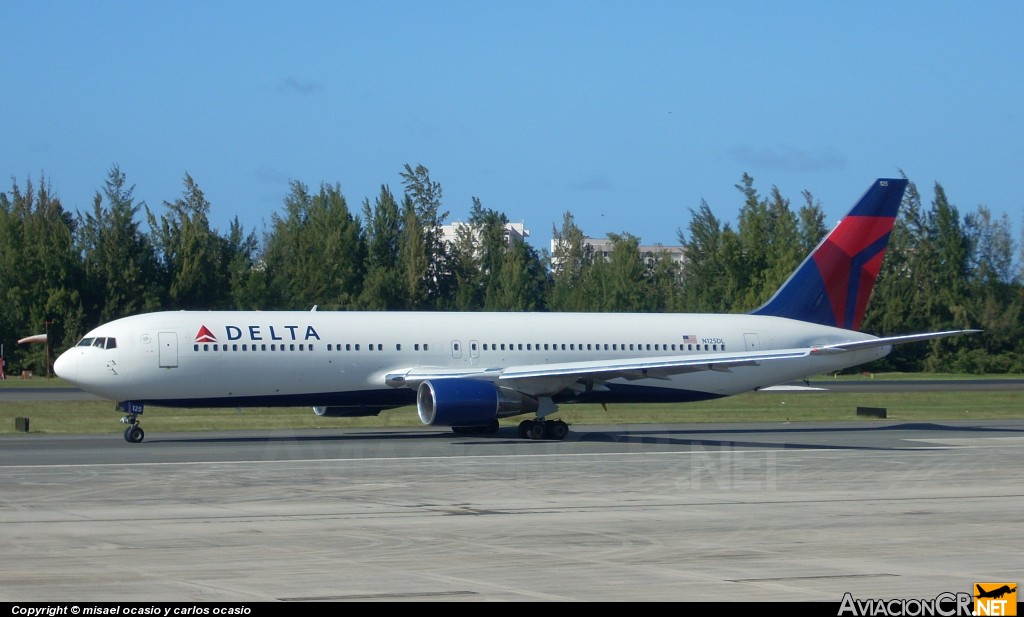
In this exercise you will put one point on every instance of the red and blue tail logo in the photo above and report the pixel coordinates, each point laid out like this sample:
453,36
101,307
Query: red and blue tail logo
832,286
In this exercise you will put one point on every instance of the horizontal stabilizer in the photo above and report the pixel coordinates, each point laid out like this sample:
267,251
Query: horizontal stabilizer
888,340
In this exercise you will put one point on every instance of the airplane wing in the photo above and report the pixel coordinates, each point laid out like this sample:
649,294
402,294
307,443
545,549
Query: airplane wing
553,377
649,368
556,376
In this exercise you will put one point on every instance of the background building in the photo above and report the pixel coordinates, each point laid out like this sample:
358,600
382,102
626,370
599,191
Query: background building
514,232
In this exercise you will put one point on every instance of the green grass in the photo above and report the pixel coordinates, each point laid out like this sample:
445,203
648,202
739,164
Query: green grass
49,417
34,382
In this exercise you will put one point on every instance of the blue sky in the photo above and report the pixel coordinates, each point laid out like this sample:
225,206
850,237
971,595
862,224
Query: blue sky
626,114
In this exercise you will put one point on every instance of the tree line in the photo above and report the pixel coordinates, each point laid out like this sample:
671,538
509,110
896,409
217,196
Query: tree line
72,271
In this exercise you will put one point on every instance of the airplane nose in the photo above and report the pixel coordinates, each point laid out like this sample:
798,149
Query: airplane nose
66,365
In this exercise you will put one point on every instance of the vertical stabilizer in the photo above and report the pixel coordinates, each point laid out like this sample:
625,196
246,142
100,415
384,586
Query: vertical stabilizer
832,286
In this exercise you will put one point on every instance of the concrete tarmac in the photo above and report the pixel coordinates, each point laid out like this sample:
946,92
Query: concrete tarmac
682,512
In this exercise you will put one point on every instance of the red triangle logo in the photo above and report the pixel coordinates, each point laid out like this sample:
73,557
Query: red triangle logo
205,336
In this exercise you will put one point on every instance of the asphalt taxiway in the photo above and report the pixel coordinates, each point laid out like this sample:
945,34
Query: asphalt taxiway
703,512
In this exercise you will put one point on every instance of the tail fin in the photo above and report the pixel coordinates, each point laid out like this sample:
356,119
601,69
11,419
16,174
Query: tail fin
832,286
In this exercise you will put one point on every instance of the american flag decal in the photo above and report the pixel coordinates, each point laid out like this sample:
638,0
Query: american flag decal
689,338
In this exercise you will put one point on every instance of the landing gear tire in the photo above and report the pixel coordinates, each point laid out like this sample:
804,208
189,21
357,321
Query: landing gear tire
524,428
555,430
134,434
537,431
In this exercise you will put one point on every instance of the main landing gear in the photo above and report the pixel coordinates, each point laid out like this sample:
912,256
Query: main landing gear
134,432
554,430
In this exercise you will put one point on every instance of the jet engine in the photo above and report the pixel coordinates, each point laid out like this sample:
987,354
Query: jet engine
348,411
469,402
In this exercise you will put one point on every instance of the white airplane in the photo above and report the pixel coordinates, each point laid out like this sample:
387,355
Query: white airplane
469,370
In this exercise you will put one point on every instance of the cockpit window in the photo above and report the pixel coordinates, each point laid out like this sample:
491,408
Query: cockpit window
103,342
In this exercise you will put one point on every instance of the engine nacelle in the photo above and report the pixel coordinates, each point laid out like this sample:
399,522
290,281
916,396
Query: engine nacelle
349,411
469,402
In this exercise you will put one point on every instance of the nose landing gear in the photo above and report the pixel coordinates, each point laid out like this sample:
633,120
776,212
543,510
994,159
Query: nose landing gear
134,432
